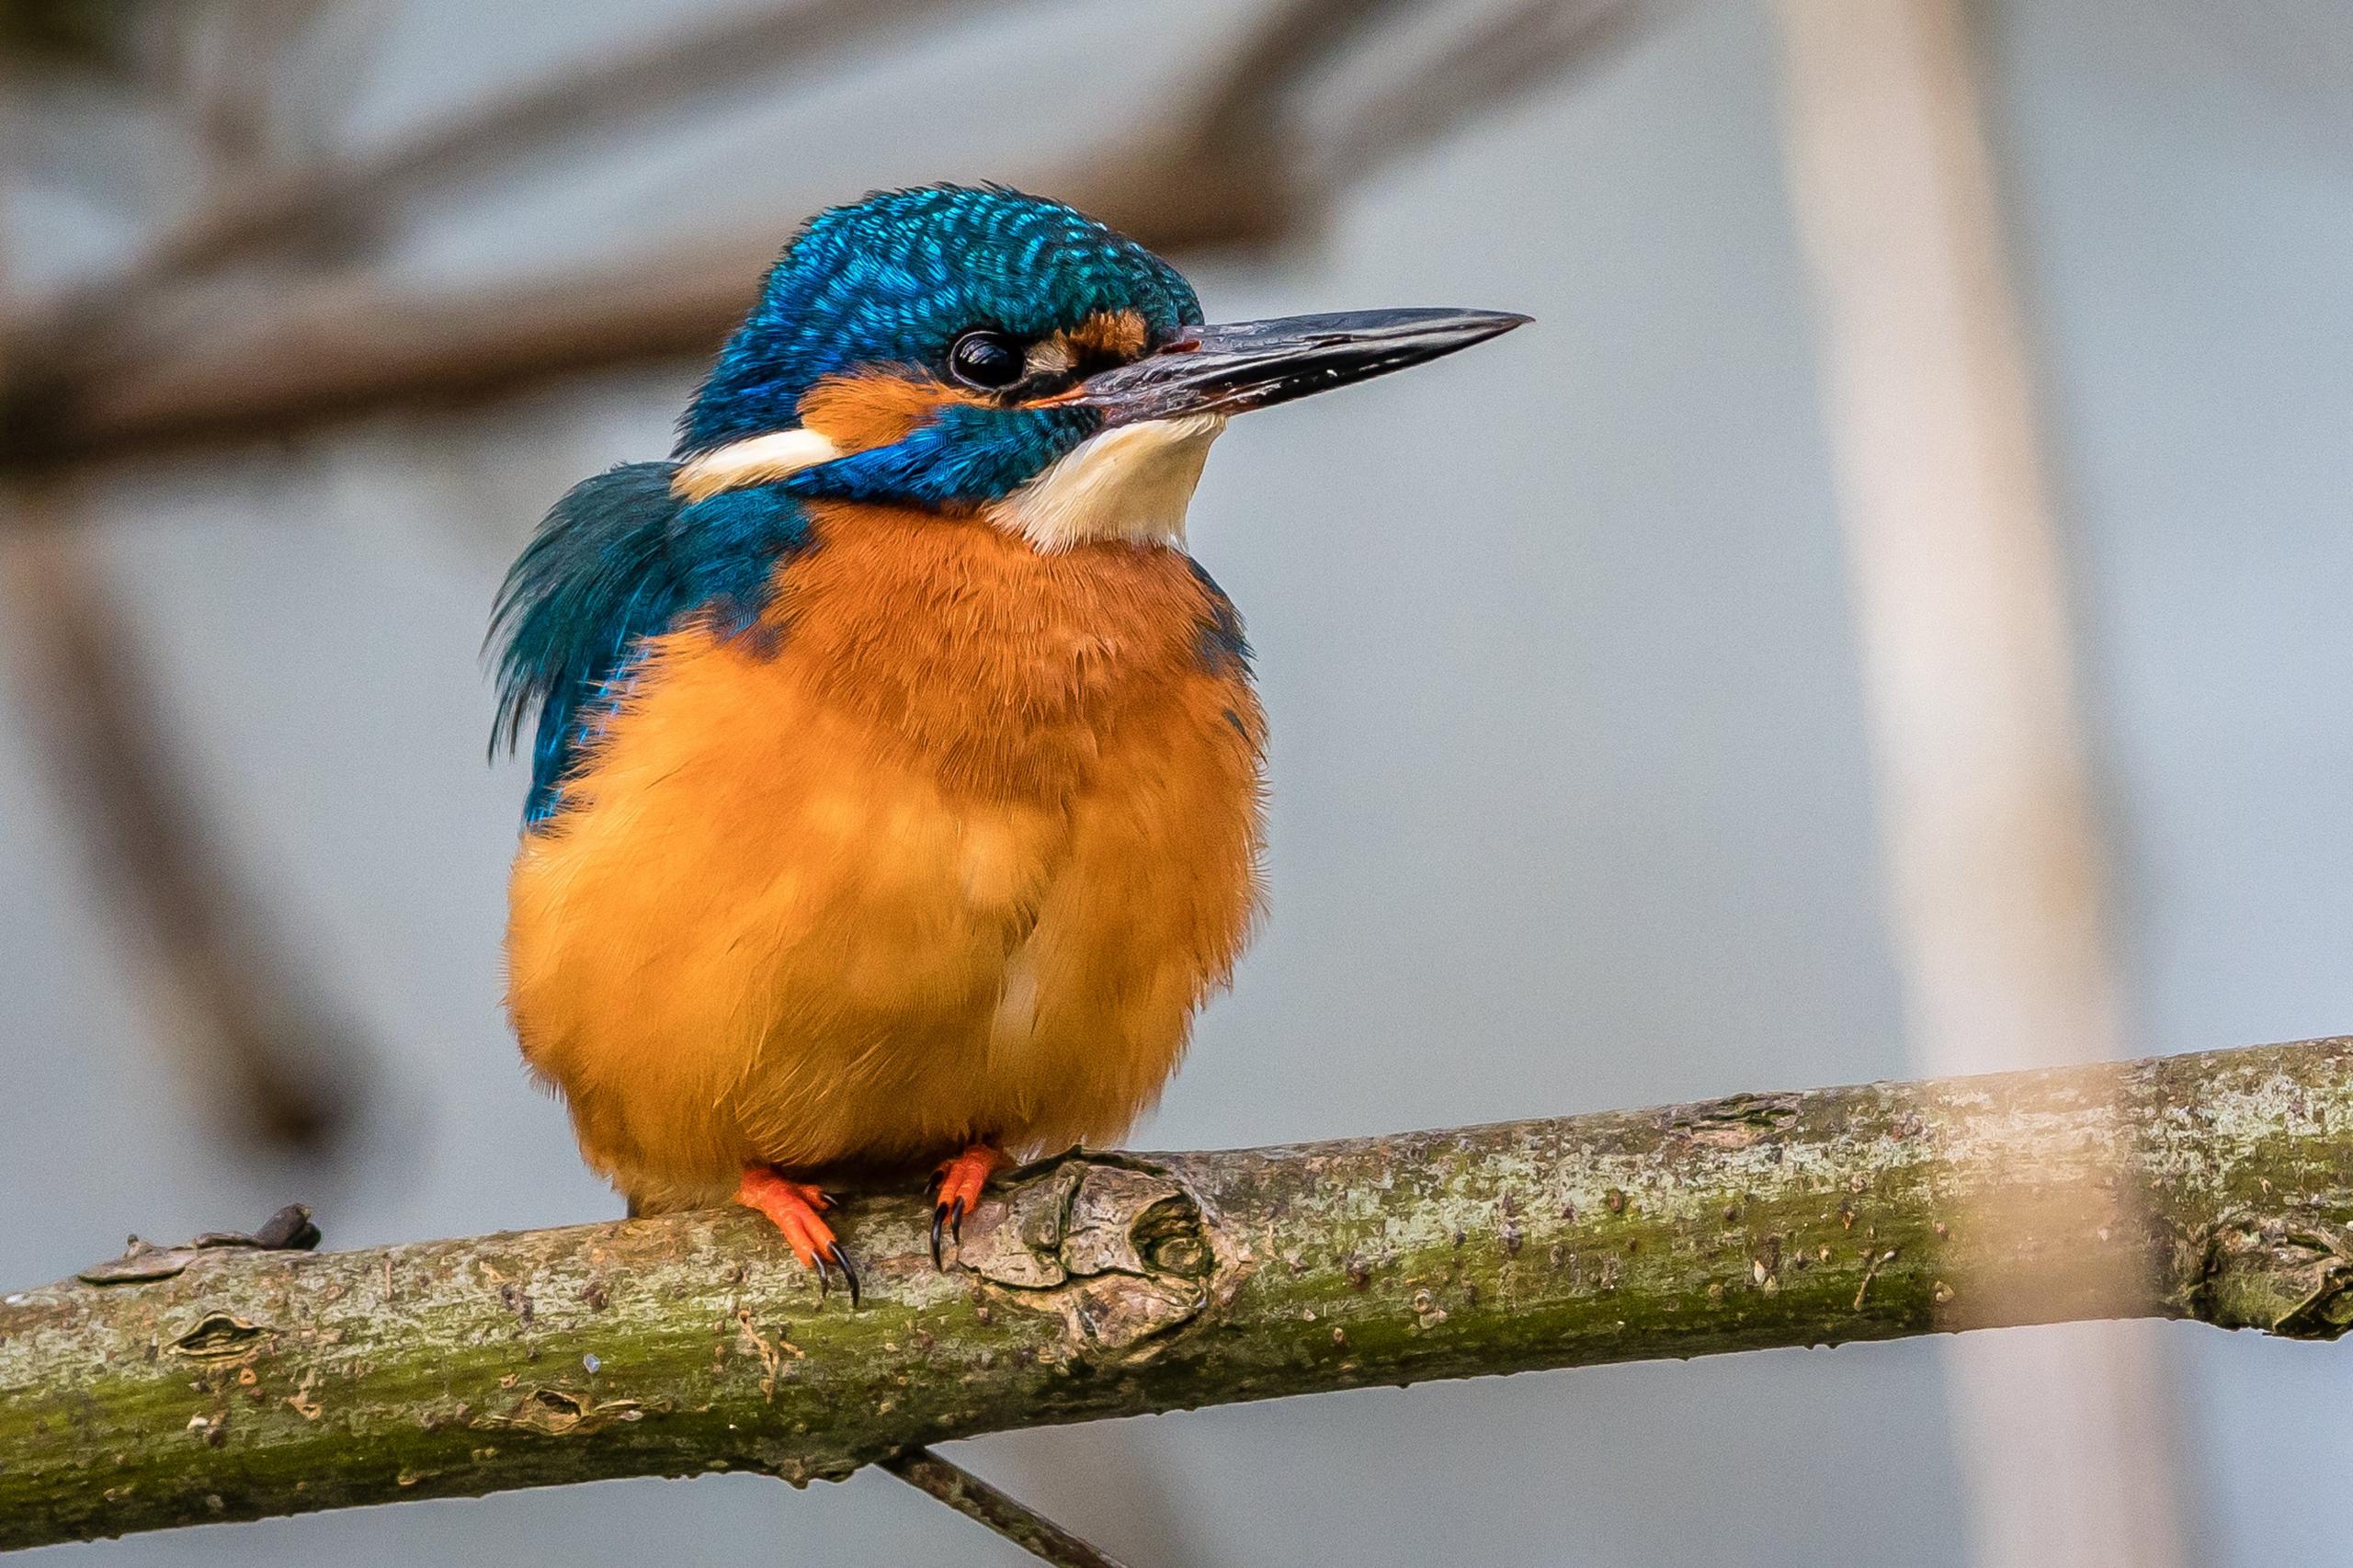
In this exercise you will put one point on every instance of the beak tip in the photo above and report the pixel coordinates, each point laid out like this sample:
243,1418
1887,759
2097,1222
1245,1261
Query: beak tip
1246,365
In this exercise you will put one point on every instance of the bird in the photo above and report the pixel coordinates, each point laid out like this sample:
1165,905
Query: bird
897,778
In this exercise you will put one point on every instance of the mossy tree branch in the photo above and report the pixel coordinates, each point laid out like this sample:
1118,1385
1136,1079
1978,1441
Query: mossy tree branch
258,1383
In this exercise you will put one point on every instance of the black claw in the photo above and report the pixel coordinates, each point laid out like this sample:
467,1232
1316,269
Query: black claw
956,1221
849,1275
828,1201
939,1179
938,1224
824,1275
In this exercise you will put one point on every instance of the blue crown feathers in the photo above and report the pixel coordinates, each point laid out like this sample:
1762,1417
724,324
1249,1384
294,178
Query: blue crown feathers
894,278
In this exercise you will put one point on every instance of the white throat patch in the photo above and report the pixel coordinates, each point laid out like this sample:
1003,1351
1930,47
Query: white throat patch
1131,482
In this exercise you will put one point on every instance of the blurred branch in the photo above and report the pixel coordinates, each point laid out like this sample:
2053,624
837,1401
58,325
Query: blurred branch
268,1061
1984,803
344,198
158,315
1010,1518
1503,57
272,1062
1218,167
335,348
247,1385
235,88
108,37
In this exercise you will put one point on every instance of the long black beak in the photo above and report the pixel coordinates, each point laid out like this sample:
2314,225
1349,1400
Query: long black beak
1256,364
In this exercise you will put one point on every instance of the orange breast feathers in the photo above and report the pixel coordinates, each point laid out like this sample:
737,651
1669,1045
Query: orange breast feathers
949,850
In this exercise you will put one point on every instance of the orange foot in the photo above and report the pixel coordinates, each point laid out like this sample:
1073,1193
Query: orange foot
958,1184
793,1207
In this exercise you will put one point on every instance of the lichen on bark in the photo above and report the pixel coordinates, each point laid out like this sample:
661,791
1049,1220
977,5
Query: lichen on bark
244,1383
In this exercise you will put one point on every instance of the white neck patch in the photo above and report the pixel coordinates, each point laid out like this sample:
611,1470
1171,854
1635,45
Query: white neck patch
755,459
1131,482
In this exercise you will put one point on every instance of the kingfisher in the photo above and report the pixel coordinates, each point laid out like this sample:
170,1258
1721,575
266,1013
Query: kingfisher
896,775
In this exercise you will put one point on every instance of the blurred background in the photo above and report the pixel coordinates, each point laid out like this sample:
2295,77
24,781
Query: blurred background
1886,617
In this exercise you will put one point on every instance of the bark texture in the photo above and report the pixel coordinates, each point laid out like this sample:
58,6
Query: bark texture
244,1383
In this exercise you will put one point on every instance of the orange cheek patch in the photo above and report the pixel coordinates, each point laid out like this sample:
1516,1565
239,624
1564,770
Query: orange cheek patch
872,408
1109,335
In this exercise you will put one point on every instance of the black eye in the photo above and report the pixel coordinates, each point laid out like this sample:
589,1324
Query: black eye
986,359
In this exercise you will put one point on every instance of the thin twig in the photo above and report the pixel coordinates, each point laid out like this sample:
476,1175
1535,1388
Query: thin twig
1017,1521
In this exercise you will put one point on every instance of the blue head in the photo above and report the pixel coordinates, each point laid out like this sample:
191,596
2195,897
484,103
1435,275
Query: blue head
944,347
953,320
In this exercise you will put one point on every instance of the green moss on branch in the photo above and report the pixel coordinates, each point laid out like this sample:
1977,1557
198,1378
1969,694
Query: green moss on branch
258,1383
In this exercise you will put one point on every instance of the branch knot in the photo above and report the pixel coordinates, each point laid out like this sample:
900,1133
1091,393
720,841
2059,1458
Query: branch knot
1119,1251
2292,1278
